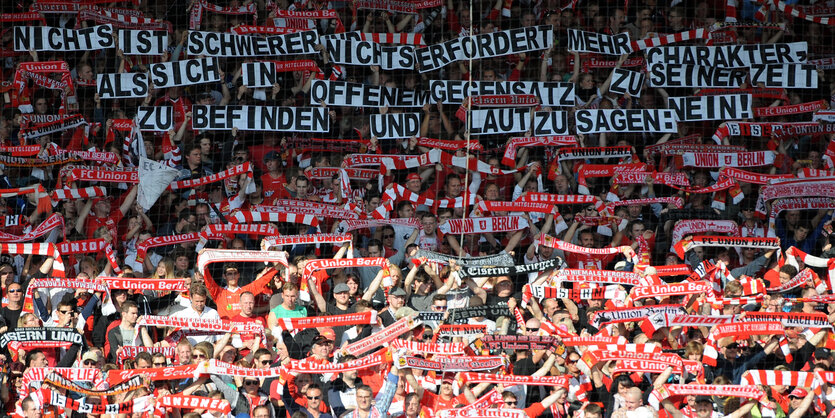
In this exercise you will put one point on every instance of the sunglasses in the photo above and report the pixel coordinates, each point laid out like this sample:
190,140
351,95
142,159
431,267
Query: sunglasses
65,312
250,382
160,364
313,398
440,308
15,290
388,236
89,362
266,362
198,355
533,329
510,402
570,361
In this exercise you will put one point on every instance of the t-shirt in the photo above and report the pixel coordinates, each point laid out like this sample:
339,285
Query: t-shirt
438,403
282,312
273,187
111,222
588,261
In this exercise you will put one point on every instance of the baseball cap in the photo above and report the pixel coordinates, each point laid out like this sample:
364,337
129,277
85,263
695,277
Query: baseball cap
413,176
798,393
327,333
341,288
90,355
822,353
272,155
448,377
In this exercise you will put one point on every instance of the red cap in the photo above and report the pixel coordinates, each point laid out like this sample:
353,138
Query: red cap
799,393
413,176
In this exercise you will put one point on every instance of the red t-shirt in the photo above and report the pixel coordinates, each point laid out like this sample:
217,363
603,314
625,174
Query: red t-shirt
273,187
588,261
437,403
93,223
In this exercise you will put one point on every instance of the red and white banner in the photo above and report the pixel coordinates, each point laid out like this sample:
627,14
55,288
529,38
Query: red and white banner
388,334
483,225
509,158
673,289
367,318
506,379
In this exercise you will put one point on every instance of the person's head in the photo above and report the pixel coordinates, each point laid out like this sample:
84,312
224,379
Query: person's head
184,352
341,293
262,358
586,238
247,303
15,292
787,272
198,293
199,353
28,320
413,182
231,273
130,312
796,397
30,408
593,411
693,351
36,358
411,405
439,303
397,298
509,399
364,396
802,230
430,223
632,398
453,186
159,360
289,294
405,209
262,411
66,311
375,248
251,385
194,157
143,360
387,237
314,396
302,184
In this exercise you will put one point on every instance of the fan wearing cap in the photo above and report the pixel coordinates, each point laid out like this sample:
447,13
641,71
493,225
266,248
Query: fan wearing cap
396,300
704,409
103,215
228,299
273,180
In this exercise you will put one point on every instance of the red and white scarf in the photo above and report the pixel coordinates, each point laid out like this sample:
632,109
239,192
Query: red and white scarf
509,158
280,241
505,379
367,318
219,231
54,221
223,175
111,176
692,226
73,194
673,289
437,156
778,111
388,334
738,391
212,325
306,366
701,33
778,377
719,241
428,348
143,247
483,225
249,217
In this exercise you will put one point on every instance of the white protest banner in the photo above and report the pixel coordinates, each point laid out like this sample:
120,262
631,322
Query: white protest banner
685,75
159,119
582,41
727,107
184,72
395,125
345,51
626,81
46,38
550,123
266,73
260,118
216,44
499,121
122,85
549,93
143,42
486,45
793,76
343,93
729,56
625,120
154,178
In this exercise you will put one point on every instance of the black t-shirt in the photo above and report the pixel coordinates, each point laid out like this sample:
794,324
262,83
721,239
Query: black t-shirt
11,317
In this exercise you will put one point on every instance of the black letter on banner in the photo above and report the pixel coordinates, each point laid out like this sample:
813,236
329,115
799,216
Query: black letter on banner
625,81
550,123
158,119
395,125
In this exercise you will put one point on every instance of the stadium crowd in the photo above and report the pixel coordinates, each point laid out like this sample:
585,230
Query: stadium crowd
340,274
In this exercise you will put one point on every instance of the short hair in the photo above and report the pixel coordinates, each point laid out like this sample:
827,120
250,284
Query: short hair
594,408
302,178
289,286
184,342
28,403
439,297
346,358
314,385
365,388
127,305
247,293
144,355
375,243
199,289
260,352
508,394
261,407
789,269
